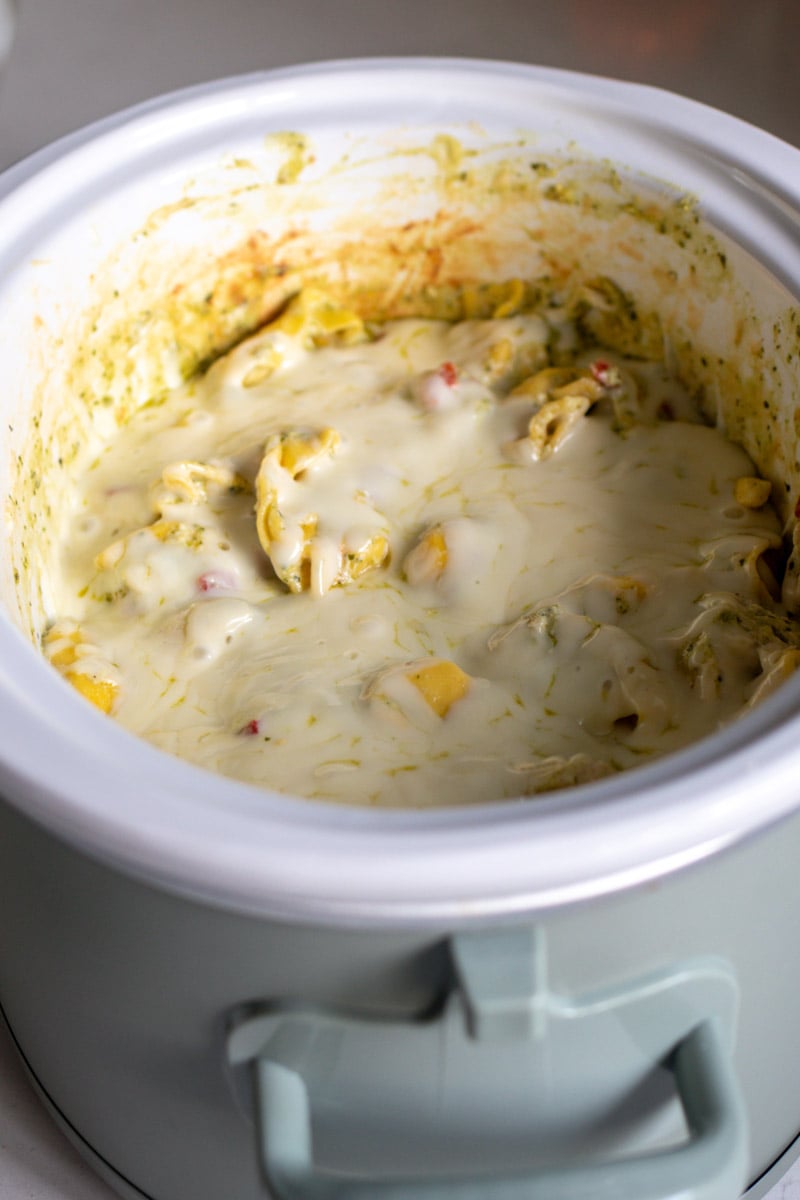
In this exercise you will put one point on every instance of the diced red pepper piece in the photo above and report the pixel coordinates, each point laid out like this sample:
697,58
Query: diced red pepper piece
251,728
449,373
216,581
599,370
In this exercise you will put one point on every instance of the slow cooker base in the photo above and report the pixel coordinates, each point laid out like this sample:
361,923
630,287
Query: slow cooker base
775,1173
122,1186
128,1191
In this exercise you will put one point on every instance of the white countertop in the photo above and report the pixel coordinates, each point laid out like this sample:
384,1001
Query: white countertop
76,60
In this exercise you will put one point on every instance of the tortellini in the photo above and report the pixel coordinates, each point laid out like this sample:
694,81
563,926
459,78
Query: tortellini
562,397
427,561
316,320
605,676
82,664
316,537
434,684
732,644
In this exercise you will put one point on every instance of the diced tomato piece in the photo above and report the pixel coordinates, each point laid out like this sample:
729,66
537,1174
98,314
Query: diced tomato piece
251,728
216,581
449,373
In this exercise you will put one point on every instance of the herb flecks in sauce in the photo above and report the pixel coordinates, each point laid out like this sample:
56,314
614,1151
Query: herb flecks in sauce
448,540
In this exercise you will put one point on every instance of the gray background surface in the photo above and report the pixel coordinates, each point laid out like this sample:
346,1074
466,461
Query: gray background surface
75,60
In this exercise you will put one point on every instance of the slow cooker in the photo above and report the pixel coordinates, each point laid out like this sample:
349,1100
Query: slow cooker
226,992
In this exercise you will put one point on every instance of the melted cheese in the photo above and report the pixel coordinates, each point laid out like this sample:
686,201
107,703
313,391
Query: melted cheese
421,567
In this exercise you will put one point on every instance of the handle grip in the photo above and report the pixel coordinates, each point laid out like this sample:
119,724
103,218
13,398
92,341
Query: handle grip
706,1167
681,1019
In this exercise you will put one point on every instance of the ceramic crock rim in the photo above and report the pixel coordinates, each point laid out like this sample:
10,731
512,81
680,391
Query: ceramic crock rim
182,828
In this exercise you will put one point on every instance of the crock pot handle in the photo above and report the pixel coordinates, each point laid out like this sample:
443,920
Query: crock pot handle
681,1018
707,1166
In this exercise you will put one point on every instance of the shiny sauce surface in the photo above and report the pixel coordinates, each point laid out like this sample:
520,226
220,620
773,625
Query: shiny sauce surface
421,563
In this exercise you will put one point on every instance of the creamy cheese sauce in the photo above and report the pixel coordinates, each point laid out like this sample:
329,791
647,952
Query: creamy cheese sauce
414,564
